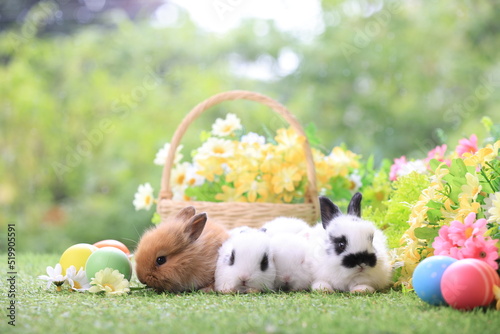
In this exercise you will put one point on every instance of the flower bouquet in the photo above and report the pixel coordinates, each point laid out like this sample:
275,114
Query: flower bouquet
243,178
457,214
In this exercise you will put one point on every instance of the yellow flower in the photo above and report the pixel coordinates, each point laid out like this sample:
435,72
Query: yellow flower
472,188
494,154
252,187
340,161
466,206
110,281
496,291
285,177
229,194
478,158
226,127
272,159
439,173
289,137
290,146
210,167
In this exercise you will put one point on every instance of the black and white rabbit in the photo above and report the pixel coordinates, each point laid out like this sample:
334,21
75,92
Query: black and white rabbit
245,263
355,256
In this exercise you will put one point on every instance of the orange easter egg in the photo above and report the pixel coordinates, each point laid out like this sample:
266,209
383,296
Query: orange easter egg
112,243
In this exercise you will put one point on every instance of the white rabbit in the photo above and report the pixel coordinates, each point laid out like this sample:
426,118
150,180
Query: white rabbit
239,229
245,263
355,256
293,267
285,225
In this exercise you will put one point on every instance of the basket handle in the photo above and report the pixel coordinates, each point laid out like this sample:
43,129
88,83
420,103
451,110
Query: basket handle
311,195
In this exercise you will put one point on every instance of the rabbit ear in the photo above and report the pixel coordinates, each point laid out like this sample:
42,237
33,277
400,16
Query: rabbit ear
354,207
186,213
328,210
195,226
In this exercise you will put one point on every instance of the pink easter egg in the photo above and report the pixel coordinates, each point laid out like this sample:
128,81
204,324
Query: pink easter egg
468,283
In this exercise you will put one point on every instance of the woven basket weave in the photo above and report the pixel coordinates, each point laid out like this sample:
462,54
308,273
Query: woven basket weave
234,214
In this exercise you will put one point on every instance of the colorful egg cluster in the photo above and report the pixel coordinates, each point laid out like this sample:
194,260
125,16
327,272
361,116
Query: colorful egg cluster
462,284
101,255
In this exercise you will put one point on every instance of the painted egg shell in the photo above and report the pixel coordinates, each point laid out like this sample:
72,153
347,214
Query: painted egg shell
468,283
108,257
77,256
112,243
427,278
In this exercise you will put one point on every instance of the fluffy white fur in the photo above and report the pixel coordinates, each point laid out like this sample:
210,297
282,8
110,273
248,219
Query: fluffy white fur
292,261
245,275
330,274
282,225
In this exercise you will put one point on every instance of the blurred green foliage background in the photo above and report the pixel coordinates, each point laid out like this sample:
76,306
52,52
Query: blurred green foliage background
84,108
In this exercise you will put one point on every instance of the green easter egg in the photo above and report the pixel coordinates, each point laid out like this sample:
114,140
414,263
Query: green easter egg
76,255
108,257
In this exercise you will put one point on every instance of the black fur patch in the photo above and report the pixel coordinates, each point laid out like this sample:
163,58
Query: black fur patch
339,244
231,259
264,264
356,259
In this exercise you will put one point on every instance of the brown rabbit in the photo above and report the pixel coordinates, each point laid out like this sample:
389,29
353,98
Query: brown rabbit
181,253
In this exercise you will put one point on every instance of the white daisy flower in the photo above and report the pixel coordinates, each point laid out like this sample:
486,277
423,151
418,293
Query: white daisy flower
77,280
413,166
225,127
110,281
215,147
143,198
253,138
492,207
54,276
356,181
161,155
193,179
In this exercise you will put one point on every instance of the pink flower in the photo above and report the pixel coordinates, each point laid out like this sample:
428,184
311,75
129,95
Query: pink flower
481,249
466,240
438,153
443,244
398,164
467,145
471,228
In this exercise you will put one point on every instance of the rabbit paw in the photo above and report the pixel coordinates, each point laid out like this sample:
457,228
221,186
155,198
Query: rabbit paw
322,286
362,288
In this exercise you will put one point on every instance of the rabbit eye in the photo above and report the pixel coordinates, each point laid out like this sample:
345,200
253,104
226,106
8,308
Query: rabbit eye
231,259
339,244
161,260
264,264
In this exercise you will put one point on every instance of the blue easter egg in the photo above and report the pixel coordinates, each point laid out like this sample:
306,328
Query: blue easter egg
427,278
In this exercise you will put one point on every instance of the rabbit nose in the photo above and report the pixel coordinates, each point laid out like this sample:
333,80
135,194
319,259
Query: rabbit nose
244,279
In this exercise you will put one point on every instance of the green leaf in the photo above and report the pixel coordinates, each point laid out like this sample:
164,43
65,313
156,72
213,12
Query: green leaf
311,134
156,219
434,216
204,135
426,233
434,205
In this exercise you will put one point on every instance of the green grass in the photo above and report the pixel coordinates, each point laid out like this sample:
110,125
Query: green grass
47,311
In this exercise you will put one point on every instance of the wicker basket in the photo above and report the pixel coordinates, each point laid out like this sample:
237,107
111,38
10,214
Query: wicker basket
236,214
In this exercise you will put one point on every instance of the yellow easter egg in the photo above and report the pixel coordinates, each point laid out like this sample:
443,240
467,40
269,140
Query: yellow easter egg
77,256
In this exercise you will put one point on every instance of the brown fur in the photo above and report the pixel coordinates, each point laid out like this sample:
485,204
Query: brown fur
191,256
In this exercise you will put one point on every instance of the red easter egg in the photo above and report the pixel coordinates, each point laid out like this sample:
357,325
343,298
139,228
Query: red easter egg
112,243
468,283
